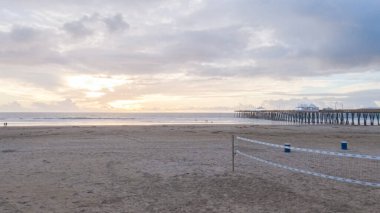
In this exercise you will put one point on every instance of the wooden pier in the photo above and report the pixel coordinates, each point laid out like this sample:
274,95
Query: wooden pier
364,117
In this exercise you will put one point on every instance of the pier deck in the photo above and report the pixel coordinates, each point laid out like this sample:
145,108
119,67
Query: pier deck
338,117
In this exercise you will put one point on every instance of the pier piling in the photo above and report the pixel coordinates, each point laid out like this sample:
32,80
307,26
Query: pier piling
366,117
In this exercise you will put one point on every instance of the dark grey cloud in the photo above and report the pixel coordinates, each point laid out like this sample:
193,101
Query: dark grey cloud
205,45
23,34
25,45
89,24
319,37
116,23
83,26
77,29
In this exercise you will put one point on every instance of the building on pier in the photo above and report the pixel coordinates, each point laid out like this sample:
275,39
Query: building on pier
307,107
259,109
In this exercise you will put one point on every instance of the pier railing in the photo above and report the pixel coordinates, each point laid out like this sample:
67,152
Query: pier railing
339,117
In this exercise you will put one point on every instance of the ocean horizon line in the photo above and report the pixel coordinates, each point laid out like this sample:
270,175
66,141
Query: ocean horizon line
63,118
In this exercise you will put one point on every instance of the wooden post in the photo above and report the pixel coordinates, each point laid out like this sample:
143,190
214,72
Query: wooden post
233,153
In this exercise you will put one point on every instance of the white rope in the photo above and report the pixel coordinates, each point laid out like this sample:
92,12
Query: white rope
346,180
369,157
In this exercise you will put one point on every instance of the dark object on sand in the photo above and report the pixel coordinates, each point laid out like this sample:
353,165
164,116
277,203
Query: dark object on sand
344,145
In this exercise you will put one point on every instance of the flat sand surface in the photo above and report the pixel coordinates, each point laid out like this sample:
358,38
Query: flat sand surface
171,169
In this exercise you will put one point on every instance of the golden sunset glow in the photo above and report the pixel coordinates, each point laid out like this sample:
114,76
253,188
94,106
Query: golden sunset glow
96,83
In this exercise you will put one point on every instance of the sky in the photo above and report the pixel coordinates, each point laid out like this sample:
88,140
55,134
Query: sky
180,56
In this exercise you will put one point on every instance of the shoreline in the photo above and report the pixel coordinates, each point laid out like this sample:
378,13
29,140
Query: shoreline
278,124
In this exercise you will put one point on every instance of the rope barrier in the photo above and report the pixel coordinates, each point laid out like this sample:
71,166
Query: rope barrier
369,157
346,180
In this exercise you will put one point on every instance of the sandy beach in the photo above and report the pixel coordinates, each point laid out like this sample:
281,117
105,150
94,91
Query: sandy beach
178,168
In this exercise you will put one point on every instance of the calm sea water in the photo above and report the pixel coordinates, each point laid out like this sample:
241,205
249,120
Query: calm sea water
59,119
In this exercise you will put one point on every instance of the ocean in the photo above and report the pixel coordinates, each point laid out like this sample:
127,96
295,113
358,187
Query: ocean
81,119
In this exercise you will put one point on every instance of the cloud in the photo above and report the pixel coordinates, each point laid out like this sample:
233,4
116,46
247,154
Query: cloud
227,47
353,100
285,39
90,24
315,37
25,45
61,106
77,29
23,34
116,23
12,107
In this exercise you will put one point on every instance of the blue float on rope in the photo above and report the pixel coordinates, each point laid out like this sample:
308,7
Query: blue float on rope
344,145
286,147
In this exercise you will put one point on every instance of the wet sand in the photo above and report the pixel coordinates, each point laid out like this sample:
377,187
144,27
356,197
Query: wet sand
171,169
